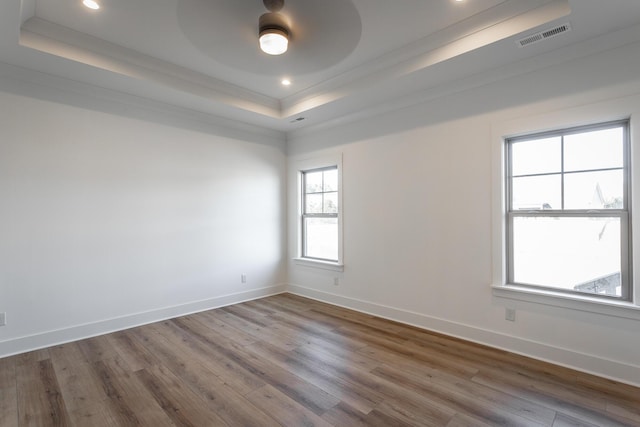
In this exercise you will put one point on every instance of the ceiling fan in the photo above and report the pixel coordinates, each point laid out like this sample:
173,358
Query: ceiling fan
273,29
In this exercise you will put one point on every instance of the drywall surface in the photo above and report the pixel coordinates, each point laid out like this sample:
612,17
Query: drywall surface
108,221
421,196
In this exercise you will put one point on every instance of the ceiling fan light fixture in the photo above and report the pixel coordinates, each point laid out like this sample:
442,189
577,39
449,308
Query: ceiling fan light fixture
273,33
91,4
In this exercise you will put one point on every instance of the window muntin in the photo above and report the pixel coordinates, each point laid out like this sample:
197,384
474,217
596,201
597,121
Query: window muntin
320,227
567,210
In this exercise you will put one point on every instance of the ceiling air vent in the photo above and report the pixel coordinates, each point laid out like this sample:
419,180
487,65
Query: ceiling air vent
543,35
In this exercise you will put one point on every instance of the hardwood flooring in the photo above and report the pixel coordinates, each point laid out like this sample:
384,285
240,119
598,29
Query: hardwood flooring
290,361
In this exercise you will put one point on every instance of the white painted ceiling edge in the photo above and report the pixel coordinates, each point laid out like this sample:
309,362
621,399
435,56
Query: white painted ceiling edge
483,29
503,21
470,47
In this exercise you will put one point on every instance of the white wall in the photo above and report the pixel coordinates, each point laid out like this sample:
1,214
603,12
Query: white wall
419,188
113,215
108,221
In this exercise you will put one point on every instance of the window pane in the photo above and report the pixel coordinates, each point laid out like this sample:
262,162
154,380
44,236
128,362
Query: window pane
536,156
600,149
331,180
313,182
330,203
594,190
578,254
321,238
536,192
313,203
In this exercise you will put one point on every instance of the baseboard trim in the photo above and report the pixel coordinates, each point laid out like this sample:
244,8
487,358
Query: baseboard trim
75,333
606,368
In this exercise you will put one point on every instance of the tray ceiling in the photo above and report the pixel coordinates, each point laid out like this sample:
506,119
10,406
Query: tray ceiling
344,54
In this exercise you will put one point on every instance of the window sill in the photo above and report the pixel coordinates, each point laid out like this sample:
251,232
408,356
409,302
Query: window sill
622,309
325,265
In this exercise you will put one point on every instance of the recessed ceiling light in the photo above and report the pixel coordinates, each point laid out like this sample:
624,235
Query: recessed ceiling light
285,82
91,4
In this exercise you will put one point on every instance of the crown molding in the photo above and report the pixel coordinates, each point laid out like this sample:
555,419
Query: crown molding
61,41
482,29
35,84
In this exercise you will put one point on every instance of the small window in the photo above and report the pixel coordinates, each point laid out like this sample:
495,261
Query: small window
320,208
568,226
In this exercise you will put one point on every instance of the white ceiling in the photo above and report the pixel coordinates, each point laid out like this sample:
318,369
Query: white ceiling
345,56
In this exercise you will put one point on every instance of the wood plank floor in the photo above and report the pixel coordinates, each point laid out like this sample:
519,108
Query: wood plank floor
290,361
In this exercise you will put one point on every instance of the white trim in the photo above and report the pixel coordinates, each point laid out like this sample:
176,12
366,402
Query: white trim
606,368
314,263
328,160
75,333
621,214
508,19
591,364
35,84
46,36
607,307
597,112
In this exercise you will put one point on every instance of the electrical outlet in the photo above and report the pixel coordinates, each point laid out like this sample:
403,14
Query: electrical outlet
243,278
3,319
336,281
510,314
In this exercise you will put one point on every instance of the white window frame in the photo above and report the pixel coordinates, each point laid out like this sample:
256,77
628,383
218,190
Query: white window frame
308,165
622,214
544,120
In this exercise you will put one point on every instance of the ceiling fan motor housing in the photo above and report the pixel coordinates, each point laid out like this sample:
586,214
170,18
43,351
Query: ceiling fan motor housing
273,21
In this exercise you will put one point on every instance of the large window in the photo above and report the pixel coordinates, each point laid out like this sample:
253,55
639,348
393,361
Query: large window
320,214
568,226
